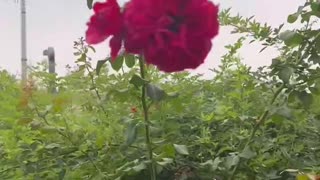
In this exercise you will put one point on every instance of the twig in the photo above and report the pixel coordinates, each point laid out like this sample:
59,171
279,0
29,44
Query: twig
259,122
68,138
147,122
93,84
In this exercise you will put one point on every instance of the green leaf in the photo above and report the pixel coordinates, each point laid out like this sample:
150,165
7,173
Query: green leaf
302,177
89,3
172,95
284,111
139,167
290,171
30,167
117,63
315,58
315,6
137,81
131,133
305,17
82,58
181,149
285,74
275,62
92,48
48,108
52,146
264,48
305,98
212,164
316,88
291,38
165,161
82,67
77,53
155,93
292,96
99,66
247,153
121,94
292,18
231,160
62,174
168,151
130,60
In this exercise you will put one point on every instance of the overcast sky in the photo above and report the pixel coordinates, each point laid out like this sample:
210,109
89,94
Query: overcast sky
60,22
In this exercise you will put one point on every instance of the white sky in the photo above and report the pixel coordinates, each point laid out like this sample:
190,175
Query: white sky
60,22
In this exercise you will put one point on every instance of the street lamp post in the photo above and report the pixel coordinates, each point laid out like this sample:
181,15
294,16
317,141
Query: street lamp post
50,53
52,70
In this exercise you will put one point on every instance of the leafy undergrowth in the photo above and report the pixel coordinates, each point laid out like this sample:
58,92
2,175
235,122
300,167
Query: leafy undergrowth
239,124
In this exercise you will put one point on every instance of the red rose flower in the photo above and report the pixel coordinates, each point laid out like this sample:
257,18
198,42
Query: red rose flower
173,35
134,110
106,21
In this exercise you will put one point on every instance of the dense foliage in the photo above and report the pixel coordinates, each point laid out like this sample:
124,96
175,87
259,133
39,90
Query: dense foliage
239,124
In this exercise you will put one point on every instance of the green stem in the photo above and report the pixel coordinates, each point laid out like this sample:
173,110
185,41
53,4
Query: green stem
147,122
259,122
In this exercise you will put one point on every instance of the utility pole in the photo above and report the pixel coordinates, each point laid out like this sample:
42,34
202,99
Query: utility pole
23,41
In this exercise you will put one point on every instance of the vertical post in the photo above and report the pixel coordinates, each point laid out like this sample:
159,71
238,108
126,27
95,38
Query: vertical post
23,42
52,65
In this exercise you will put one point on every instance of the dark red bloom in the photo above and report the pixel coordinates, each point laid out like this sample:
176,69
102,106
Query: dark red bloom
174,35
134,110
106,21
